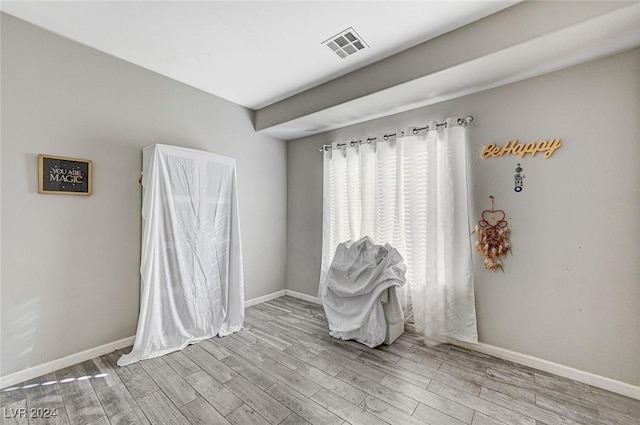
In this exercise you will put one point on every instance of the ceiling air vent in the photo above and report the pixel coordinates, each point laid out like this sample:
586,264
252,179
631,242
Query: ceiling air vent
345,43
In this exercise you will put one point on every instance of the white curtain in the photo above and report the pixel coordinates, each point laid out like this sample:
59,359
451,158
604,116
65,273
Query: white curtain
410,192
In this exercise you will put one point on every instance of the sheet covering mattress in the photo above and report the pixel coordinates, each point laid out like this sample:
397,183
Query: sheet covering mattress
191,265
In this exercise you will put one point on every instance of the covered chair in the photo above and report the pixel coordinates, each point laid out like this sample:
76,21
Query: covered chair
360,293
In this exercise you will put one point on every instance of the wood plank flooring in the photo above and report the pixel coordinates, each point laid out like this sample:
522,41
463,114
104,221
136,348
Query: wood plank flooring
284,368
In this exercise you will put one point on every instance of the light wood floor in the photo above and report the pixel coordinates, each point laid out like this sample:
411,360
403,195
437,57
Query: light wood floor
283,368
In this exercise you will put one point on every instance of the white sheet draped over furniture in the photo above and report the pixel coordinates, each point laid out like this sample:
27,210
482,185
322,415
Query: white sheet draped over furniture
359,275
191,259
410,192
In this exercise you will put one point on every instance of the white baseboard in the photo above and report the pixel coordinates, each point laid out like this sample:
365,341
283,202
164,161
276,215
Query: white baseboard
588,378
608,384
502,353
52,366
264,298
301,296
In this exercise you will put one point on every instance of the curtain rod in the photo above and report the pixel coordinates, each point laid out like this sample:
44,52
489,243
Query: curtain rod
460,121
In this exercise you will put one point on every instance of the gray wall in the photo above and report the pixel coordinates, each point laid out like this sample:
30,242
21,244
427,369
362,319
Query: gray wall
70,264
570,293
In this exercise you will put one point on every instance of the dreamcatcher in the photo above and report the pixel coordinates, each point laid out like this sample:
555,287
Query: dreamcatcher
493,237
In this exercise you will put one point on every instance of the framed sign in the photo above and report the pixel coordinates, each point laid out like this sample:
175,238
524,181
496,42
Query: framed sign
64,176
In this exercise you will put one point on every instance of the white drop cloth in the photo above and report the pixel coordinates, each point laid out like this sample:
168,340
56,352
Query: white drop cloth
359,273
191,259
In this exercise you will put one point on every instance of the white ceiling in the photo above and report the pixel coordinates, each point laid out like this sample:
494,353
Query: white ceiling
564,36
253,53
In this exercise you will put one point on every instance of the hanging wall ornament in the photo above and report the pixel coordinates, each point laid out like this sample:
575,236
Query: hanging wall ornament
518,178
493,237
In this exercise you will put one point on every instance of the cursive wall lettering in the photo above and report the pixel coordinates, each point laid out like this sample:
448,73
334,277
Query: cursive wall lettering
512,147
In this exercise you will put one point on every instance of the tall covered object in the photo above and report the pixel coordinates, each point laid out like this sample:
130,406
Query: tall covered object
191,259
